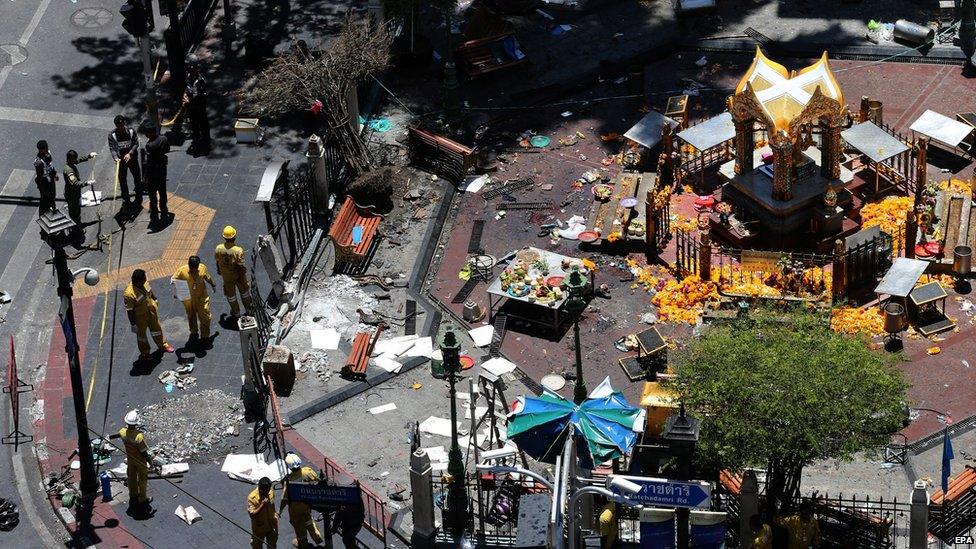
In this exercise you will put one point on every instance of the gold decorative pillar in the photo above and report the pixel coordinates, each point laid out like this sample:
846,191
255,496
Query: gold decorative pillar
704,254
744,145
839,271
782,166
921,165
830,149
911,234
650,220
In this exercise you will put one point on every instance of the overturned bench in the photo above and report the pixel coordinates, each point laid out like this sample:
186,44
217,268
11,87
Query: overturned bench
358,359
440,155
353,231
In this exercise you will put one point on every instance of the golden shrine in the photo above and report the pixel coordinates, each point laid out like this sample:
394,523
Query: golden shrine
800,114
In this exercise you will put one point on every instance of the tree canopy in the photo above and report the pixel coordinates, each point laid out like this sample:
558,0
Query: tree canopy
781,392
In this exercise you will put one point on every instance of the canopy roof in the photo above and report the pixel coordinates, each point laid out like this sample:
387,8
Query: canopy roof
783,94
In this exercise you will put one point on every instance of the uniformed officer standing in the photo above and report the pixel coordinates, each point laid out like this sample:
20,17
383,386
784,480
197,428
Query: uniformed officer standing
197,306
299,513
137,461
195,97
154,163
46,177
142,309
230,266
264,518
124,145
73,185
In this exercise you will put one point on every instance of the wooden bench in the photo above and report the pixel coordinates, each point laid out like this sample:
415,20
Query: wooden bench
440,155
350,216
958,487
362,347
482,50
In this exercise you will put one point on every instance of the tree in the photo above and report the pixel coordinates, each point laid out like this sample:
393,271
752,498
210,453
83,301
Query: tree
297,79
782,392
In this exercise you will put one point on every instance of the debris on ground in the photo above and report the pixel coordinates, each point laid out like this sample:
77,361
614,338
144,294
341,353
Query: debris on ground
191,427
188,514
173,378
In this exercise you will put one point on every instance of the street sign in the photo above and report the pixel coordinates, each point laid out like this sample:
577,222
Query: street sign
669,493
323,494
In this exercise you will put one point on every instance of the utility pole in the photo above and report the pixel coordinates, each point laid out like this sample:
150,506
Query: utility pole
152,102
452,104
55,226
175,50
229,30
967,29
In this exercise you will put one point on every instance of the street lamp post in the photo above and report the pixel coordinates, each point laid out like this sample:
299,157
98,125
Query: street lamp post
457,500
452,103
681,433
55,226
575,305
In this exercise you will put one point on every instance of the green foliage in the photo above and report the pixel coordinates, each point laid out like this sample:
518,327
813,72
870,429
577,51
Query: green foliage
782,392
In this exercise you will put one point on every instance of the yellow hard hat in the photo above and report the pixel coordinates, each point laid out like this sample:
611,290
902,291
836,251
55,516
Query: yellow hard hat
229,232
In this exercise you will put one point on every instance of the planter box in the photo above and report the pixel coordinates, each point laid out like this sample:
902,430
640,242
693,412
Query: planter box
246,130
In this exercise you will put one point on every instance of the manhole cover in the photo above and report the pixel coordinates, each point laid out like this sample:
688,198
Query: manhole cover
553,382
12,54
91,18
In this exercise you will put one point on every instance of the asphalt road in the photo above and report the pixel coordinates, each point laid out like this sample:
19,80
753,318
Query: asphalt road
66,68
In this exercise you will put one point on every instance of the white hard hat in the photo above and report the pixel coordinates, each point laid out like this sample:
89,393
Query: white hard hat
132,418
293,461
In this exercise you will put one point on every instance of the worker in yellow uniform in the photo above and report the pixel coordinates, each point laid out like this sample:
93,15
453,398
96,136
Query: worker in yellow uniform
608,525
762,534
143,311
230,266
197,306
299,513
137,460
803,527
264,519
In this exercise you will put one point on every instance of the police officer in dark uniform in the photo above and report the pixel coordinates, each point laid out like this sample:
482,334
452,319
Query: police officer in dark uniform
46,177
73,185
154,162
123,142
195,96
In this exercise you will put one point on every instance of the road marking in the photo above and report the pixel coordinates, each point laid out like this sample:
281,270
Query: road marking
34,22
23,259
53,118
14,188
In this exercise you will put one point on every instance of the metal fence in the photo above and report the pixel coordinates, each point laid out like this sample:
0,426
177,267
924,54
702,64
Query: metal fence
193,19
494,505
376,518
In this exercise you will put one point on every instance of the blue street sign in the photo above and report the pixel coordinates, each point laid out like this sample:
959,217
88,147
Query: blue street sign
323,494
669,493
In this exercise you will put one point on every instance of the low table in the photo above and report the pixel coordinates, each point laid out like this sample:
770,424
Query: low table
548,314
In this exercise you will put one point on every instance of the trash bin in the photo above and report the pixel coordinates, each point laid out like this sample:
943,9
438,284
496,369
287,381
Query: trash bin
894,318
913,33
962,257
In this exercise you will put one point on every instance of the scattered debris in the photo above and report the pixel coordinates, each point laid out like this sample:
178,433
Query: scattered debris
191,426
383,408
251,467
188,514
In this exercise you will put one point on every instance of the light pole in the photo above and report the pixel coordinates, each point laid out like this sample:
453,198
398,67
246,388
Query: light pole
681,433
452,104
575,305
55,227
967,28
457,500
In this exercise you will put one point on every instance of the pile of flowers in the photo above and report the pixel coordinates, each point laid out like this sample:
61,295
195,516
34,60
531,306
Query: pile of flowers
661,197
683,300
956,186
889,215
853,320
683,224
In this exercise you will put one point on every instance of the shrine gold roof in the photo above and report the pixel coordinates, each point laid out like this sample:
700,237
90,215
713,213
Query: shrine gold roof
783,94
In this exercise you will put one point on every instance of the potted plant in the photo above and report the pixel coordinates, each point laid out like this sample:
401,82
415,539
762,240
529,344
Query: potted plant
413,50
